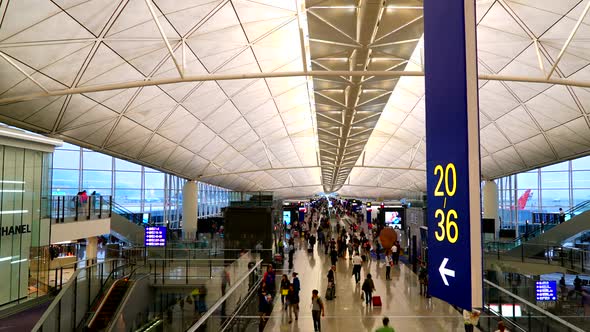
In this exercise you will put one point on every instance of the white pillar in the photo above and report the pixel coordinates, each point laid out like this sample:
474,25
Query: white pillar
189,210
490,203
91,248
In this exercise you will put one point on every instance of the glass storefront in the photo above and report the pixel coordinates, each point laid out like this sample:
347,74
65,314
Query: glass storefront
25,183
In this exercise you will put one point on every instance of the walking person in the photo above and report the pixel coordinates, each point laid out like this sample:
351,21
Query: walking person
368,288
331,290
395,253
317,308
388,264
293,303
295,283
334,256
269,278
385,327
471,318
284,290
357,262
423,279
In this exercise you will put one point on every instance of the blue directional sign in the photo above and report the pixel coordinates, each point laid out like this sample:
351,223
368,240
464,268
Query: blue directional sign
546,290
452,152
155,236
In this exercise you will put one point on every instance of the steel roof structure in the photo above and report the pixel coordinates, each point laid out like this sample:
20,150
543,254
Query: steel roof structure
295,97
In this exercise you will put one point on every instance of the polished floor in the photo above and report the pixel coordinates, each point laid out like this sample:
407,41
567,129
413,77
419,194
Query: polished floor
406,309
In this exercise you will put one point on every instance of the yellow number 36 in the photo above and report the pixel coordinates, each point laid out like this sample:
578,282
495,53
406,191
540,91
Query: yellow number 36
447,225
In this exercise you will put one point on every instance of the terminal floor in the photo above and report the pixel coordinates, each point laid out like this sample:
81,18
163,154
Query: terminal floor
402,303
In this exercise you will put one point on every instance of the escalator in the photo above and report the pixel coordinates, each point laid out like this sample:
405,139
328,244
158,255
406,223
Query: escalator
126,225
536,243
109,306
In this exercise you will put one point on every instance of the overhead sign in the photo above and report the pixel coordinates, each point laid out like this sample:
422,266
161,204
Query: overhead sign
452,153
546,290
155,236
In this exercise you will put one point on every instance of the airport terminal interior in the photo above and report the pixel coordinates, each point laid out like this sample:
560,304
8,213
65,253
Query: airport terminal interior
294,165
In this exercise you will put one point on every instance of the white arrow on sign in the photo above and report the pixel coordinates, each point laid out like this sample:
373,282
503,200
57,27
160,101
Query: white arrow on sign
444,272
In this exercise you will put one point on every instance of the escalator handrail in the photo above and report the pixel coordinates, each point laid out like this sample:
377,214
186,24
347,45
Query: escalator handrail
531,305
217,304
252,291
517,241
57,300
103,299
123,211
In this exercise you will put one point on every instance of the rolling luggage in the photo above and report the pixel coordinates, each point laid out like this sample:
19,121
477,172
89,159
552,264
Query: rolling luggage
376,301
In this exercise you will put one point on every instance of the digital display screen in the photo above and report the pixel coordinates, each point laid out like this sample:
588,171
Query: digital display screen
287,217
146,218
155,236
393,219
546,290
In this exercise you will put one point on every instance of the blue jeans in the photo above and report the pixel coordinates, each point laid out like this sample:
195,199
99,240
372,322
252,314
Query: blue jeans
368,297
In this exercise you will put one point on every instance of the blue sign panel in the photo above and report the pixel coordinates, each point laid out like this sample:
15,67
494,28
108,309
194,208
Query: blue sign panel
546,290
155,236
287,217
452,150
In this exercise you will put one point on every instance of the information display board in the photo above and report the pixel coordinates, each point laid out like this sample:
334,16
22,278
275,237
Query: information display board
452,153
155,236
546,290
287,217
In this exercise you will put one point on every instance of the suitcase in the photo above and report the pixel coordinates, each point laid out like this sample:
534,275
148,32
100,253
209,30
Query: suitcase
376,301
309,250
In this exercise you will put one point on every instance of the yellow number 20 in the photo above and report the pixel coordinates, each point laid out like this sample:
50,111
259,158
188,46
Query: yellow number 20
447,225
449,175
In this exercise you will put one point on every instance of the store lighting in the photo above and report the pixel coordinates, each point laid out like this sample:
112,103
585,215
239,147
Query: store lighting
14,211
19,261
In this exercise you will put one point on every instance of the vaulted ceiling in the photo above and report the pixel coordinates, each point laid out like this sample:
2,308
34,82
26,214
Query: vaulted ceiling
296,135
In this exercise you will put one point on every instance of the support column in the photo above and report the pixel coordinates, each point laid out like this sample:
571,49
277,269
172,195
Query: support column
189,210
490,203
91,248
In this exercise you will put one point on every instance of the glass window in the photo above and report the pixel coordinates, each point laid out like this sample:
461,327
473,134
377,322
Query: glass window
527,200
581,195
581,179
581,163
68,146
131,180
95,160
154,181
554,199
66,178
557,167
147,169
528,180
554,180
153,197
66,159
128,196
124,165
64,191
96,179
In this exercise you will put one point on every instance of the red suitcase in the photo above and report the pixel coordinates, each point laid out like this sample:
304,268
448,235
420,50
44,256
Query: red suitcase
376,301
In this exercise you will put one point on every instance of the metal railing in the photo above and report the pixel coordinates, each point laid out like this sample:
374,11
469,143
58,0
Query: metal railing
201,299
534,230
134,217
72,303
569,258
76,208
518,313
229,302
